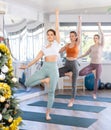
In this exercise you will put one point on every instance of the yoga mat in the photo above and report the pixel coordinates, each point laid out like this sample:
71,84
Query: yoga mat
76,107
59,119
87,98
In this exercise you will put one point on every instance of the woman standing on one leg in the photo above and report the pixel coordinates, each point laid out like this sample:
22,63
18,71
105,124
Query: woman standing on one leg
49,69
95,52
71,65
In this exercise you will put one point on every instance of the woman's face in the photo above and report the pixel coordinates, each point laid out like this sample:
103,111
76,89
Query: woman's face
73,37
96,39
50,36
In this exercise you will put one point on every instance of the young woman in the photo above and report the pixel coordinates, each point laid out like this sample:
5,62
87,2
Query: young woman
71,64
49,70
95,52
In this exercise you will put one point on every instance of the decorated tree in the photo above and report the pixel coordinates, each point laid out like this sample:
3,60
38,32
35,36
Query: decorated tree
9,107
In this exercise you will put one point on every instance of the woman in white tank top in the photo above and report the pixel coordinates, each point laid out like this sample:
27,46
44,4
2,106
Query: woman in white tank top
49,71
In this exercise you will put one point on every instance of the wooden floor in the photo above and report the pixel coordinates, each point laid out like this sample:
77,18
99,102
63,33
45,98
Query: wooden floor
103,118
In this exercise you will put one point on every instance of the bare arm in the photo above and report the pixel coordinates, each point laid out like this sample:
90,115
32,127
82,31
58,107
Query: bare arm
79,30
57,26
87,53
63,48
101,33
39,56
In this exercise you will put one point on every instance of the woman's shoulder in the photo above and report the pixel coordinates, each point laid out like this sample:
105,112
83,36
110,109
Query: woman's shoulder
55,42
67,44
92,46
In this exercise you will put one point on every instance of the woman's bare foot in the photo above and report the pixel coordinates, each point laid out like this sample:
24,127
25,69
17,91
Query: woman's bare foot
94,72
71,102
48,117
48,114
94,96
46,80
69,74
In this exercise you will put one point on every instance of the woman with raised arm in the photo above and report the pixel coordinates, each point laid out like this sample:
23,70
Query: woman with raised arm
95,52
49,70
71,65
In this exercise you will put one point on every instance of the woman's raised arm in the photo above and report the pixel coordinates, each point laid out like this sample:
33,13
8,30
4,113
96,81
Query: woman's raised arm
79,30
101,34
57,26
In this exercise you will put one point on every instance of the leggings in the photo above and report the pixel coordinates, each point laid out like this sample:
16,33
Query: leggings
49,69
71,66
88,69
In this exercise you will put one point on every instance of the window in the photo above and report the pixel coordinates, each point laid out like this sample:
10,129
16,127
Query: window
88,31
26,44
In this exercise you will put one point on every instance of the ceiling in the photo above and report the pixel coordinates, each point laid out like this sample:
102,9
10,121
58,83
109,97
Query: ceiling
17,10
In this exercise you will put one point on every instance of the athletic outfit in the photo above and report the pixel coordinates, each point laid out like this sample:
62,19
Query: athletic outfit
71,66
49,69
95,52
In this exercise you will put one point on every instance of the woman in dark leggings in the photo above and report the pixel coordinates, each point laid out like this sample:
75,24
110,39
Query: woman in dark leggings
95,52
71,65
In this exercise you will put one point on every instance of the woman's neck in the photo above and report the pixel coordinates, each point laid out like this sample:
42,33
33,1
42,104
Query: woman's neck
96,43
73,42
50,42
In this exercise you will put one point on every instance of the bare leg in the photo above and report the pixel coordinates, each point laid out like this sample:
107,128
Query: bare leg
48,114
69,74
71,102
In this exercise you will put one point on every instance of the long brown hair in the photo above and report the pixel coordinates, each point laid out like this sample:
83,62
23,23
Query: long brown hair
52,30
97,35
75,33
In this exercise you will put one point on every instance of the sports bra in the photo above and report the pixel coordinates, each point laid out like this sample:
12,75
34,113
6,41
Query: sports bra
73,51
52,50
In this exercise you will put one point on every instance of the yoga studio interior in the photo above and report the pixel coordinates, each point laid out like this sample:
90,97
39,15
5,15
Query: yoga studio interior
55,65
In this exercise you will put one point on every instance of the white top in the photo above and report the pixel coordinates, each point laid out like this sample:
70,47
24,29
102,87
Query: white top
96,54
52,50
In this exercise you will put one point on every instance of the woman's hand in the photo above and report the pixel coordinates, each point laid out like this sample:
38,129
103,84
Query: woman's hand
23,67
99,24
80,18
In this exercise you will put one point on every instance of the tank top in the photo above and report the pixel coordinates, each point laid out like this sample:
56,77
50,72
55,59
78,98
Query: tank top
52,50
73,51
96,54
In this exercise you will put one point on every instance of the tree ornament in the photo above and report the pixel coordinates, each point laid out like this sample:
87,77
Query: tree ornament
0,116
2,76
4,69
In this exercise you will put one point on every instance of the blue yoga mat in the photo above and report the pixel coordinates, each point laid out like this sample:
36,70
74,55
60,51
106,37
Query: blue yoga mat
76,107
87,98
59,119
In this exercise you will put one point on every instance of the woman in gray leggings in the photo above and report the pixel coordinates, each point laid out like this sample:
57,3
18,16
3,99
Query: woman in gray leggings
95,52
71,64
49,70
